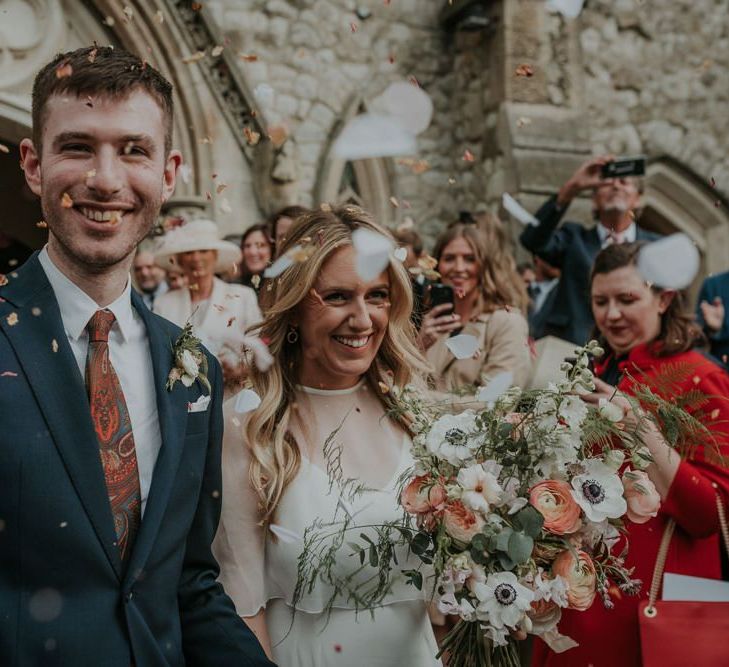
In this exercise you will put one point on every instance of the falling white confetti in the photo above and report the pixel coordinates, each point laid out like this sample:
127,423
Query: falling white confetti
410,105
372,253
185,173
280,265
374,135
463,346
401,254
284,534
264,94
500,383
45,605
246,400
671,262
568,8
517,210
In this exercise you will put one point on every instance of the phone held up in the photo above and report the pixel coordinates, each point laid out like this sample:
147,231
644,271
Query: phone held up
625,166
440,294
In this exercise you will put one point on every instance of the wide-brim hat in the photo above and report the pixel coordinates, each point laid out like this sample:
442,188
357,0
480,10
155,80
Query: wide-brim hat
197,235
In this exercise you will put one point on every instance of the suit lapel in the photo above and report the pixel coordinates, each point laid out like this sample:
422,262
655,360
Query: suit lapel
61,394
172,414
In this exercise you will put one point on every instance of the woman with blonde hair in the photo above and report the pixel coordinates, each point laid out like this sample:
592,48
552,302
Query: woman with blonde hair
323,426
489,303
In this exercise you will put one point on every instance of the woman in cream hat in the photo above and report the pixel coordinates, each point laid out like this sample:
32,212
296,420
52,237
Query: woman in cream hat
219,312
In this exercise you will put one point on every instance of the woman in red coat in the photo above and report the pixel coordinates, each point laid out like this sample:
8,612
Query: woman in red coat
649,337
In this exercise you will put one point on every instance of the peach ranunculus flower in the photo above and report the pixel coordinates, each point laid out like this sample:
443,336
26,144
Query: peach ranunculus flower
553,500
423,494
641,495
579,573
460,522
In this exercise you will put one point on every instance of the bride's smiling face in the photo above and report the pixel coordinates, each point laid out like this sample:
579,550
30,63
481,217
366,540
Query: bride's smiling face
341,323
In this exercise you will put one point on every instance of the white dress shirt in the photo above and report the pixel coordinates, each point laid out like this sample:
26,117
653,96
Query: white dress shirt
130,356
607,236
542,290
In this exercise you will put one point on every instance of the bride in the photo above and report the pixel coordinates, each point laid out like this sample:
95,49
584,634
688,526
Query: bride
338,340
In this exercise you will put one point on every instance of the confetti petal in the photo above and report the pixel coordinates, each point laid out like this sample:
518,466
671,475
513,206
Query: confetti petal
246,400
500,383
66,200
570,9
284,534
517,210
374,135
279,266
372,253
671,262
409,105
463,346
401,254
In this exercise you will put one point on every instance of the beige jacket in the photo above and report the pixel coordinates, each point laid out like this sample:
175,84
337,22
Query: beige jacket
231,310
503,337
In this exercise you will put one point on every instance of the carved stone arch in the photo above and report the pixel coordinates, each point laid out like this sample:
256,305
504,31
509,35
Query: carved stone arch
368,183
676,200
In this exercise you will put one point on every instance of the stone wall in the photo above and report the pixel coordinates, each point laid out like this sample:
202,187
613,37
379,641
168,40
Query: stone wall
656,78
316,60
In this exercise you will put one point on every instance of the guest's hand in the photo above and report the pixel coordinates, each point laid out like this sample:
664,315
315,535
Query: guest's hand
587,177
713,314
435,324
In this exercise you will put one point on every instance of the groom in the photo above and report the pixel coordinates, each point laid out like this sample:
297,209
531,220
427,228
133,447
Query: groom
109,482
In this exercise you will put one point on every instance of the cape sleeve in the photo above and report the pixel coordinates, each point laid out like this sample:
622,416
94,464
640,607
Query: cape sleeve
240,545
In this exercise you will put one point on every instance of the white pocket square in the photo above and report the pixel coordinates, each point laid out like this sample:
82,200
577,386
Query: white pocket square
200,405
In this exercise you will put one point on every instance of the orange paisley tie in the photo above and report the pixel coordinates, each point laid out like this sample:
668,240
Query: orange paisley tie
113,428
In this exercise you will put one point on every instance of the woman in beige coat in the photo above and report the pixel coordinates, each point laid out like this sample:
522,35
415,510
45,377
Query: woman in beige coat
220,313
490,299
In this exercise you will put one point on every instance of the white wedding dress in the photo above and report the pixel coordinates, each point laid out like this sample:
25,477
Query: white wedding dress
260,571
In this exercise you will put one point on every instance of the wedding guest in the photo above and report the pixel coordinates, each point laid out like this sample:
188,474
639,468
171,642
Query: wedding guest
257,248
650,338
109,482
409,239
337,340
572,247
281,222
175,278
218,311
149,278
712,315
490,298
543,294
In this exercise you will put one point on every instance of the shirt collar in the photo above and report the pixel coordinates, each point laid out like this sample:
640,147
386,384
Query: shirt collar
77,307
628,235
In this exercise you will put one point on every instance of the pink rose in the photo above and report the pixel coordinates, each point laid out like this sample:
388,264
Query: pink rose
554,501
641,495
423,494
544,616
460,522
579,573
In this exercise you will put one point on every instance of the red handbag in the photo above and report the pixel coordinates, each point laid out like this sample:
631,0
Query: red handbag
682,633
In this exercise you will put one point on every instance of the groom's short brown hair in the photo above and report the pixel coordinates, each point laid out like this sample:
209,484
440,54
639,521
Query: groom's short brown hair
99,71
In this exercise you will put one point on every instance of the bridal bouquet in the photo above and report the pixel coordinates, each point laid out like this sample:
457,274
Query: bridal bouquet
513,511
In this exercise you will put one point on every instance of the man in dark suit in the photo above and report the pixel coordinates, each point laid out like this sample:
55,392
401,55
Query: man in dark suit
109,481
712,314
572,248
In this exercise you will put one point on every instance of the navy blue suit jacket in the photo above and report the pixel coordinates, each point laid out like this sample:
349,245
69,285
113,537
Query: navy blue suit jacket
65,598
573,249
711,288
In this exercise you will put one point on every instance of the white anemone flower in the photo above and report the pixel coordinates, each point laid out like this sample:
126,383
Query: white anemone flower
599,492
454,438
503,601
481,489
189,365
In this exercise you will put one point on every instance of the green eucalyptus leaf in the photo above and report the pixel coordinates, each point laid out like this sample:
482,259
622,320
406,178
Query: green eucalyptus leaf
529,520
520,548
502,539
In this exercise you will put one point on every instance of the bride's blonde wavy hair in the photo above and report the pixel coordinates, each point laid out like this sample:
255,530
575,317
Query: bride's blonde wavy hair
275,455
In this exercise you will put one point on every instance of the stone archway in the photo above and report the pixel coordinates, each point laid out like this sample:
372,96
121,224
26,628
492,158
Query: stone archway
675,200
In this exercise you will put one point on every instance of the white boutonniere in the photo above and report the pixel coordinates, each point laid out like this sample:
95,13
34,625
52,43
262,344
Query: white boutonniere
190,362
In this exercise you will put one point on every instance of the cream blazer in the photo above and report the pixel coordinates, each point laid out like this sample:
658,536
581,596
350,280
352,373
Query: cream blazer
231,310
503,337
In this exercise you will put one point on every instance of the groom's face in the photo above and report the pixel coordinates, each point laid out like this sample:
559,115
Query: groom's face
102,176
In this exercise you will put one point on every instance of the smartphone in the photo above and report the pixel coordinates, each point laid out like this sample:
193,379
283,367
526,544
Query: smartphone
625,166
440,293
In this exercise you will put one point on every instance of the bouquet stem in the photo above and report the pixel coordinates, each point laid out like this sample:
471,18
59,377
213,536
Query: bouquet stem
467,646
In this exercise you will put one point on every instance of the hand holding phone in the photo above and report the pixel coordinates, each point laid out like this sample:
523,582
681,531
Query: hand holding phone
441,294
622,167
